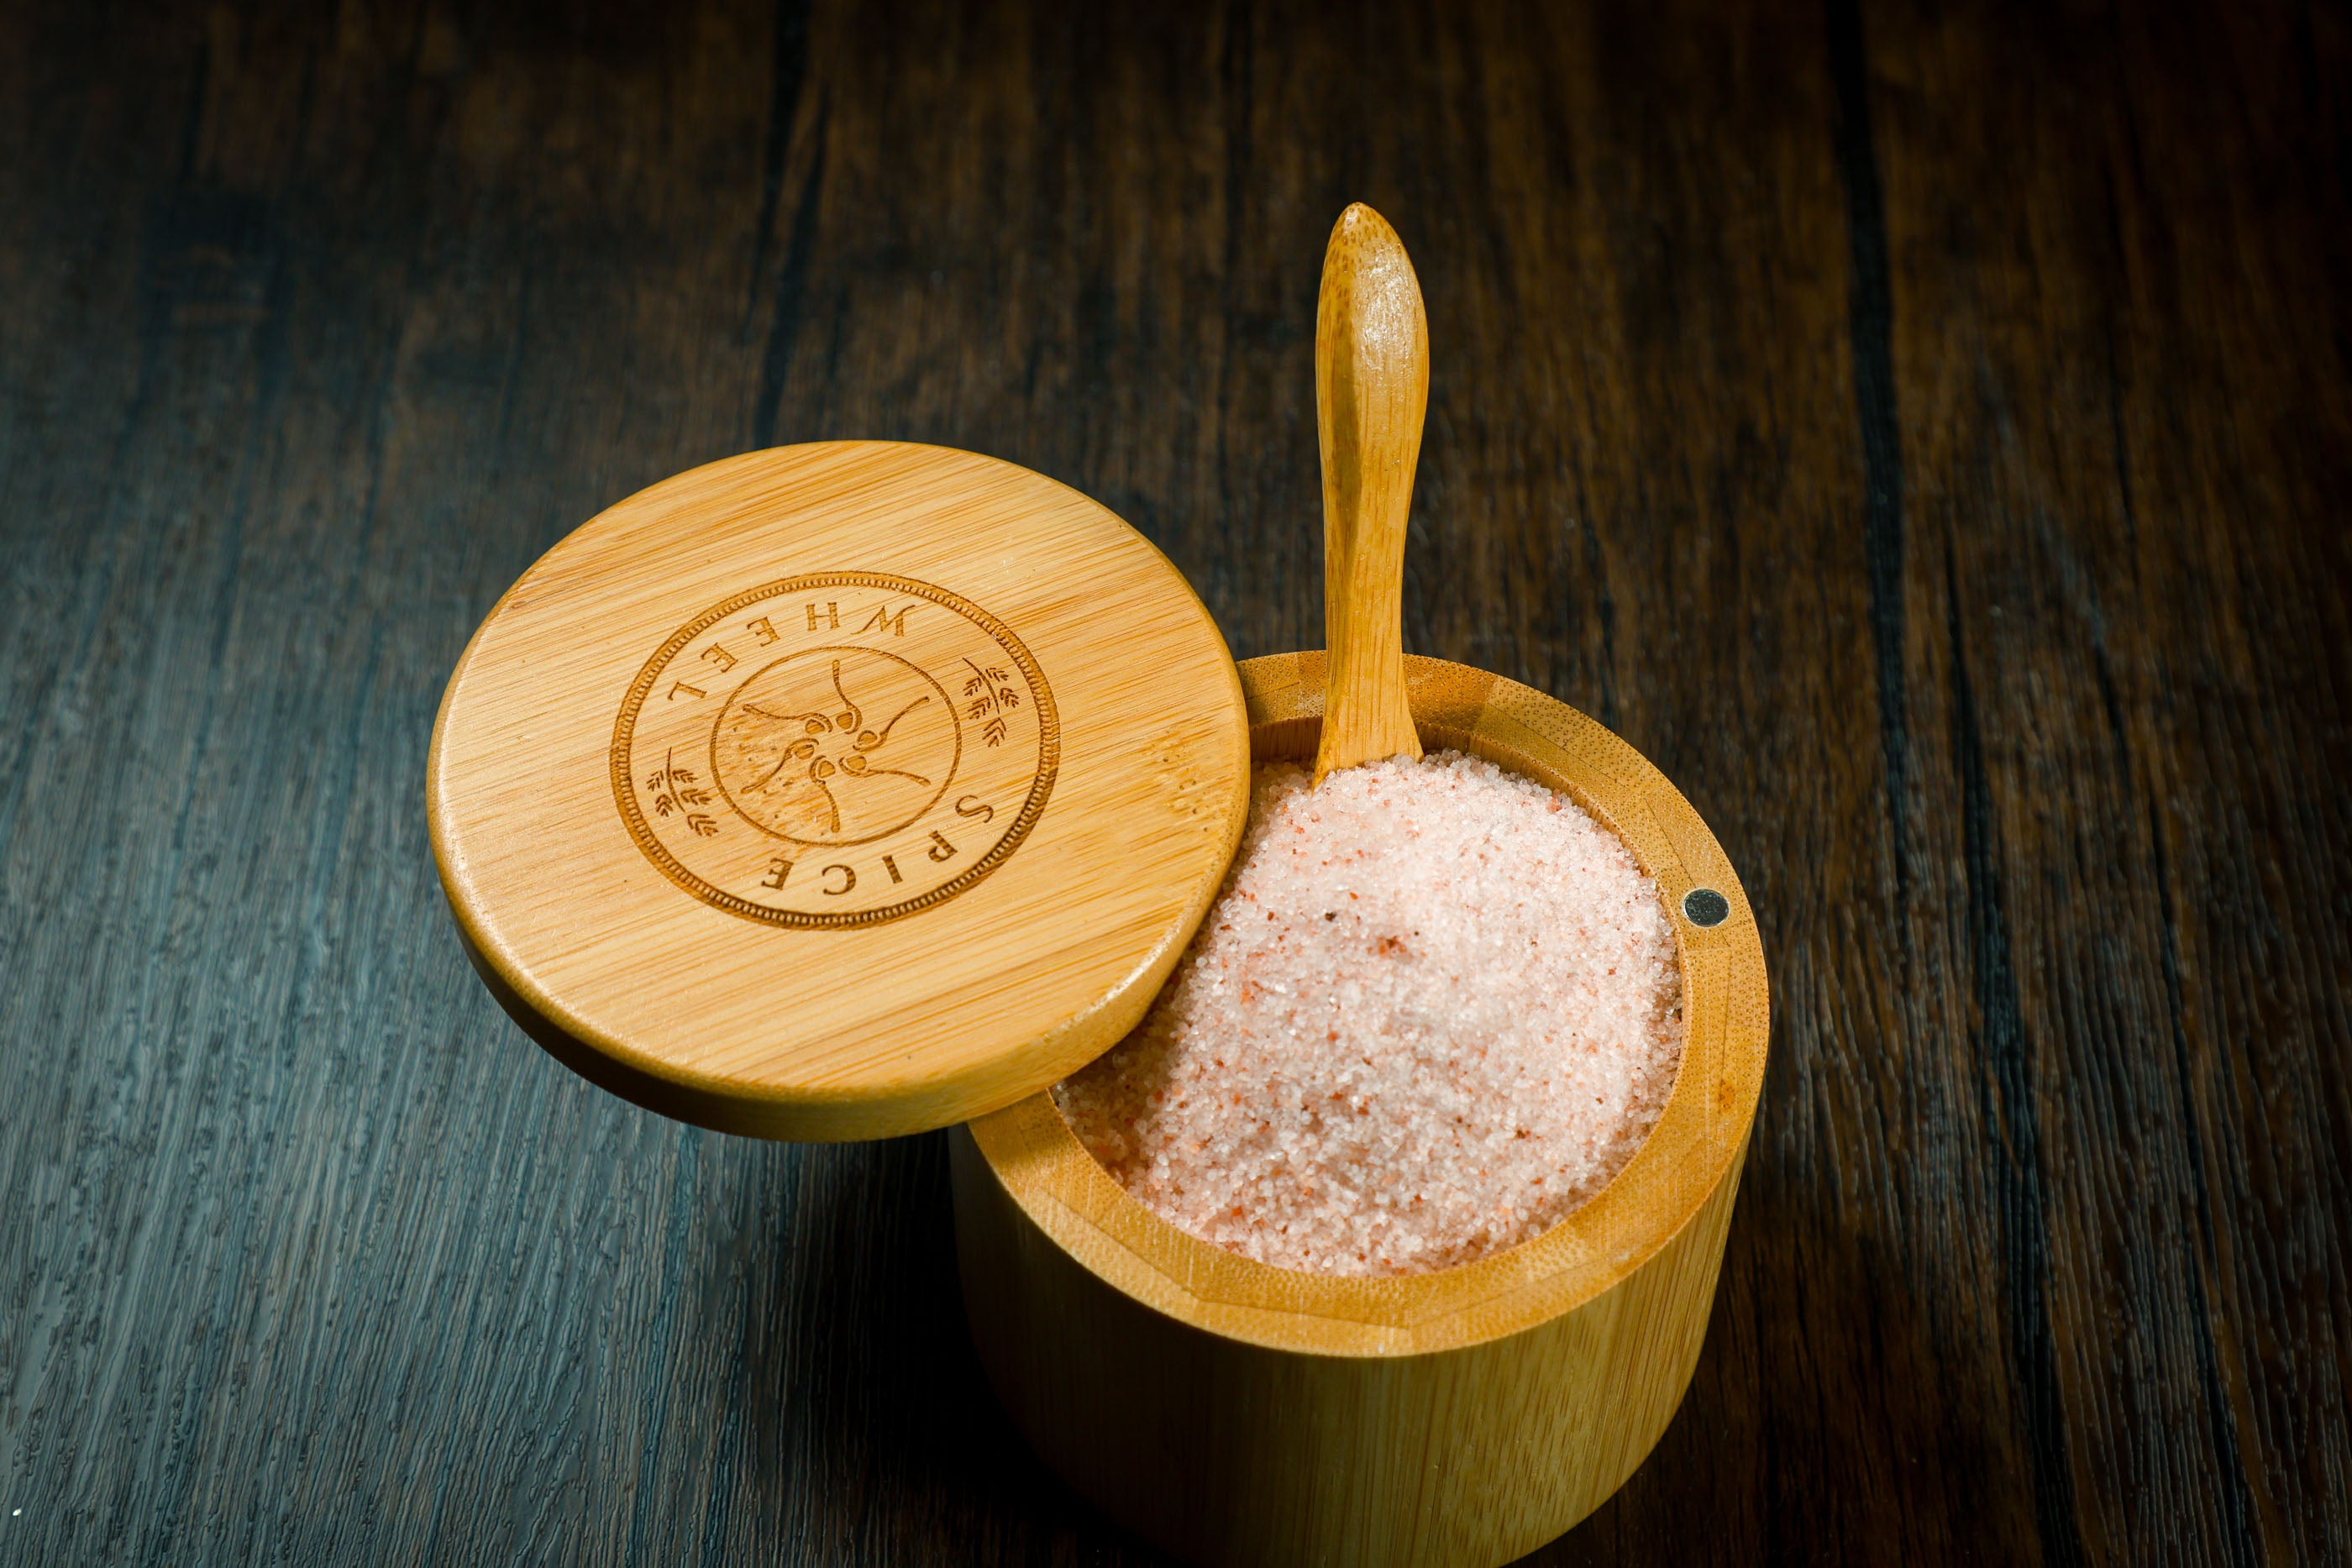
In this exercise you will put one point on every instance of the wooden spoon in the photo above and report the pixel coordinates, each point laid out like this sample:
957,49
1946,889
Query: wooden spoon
1372,389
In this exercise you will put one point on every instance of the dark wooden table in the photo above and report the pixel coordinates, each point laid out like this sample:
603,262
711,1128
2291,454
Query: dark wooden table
1927,433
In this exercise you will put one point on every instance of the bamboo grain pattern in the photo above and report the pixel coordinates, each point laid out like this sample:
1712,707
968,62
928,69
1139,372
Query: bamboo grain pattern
1920,430
841,924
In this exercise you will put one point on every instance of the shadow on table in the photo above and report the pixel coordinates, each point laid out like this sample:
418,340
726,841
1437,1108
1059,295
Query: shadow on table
888,1440
873,1436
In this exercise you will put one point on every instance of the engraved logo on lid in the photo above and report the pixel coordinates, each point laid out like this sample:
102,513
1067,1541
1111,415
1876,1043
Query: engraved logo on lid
837,749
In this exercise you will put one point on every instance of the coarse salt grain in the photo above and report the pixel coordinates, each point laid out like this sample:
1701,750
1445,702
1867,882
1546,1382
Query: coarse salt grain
1435,1008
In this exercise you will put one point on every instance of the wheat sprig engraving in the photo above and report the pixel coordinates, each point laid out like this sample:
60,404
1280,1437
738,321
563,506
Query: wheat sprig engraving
992,696
675,790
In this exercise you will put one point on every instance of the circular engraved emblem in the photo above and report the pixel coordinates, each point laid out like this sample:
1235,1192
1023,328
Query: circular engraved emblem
837,749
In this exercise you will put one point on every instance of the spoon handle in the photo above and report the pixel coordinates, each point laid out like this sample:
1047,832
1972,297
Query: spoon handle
1371,387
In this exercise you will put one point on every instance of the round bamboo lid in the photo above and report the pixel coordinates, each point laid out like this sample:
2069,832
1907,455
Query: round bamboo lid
839,790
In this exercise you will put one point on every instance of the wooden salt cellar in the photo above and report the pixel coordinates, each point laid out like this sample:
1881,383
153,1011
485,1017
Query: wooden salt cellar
858,789
1236,1413
1240,1414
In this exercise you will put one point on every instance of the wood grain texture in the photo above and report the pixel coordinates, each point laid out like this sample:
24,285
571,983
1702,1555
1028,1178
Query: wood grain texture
1240,1414
1923,431
839,790
1371,391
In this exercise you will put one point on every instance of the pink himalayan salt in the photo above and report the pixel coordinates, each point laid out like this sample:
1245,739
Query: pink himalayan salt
1435,1007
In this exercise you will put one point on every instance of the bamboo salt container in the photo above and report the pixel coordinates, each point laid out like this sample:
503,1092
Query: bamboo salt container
1236,1413
857,788
1240,1414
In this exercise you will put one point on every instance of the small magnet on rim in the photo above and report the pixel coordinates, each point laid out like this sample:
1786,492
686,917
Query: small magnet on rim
1704,906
